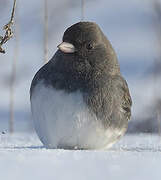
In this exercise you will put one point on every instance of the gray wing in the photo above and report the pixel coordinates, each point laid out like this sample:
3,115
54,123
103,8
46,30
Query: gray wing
112,103
124,96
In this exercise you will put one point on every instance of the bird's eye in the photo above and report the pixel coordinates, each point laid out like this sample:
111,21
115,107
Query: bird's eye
89,46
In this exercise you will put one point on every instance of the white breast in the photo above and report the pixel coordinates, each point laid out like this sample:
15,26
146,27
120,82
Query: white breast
63,120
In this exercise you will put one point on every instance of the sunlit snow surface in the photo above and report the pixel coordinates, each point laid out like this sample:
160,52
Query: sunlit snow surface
135,157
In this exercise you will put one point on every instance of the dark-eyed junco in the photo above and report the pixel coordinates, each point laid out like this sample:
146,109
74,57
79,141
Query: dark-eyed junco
79,99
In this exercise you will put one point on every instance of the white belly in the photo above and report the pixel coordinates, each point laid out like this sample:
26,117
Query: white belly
63,120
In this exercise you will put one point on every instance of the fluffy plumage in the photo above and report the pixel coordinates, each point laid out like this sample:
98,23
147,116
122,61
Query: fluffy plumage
79,99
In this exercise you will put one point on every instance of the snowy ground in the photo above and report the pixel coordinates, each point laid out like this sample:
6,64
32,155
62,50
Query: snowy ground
22,157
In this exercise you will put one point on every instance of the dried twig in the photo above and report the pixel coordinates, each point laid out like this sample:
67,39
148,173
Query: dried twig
45,31
8,34
14,72
157,9
82,10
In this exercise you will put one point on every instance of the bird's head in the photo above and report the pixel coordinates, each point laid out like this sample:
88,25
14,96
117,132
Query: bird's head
86,42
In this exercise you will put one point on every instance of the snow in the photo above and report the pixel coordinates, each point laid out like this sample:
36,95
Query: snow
22,157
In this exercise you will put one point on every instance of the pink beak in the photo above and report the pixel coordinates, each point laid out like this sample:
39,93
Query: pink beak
66,47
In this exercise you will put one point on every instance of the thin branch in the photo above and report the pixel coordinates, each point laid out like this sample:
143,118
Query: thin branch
13,11
13,77
157,9
8,34
82,10
45,31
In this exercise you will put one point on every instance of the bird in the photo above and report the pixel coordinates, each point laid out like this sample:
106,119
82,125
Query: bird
79,99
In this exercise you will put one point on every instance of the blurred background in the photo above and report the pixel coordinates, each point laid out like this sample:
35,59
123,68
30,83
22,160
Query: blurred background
133,27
